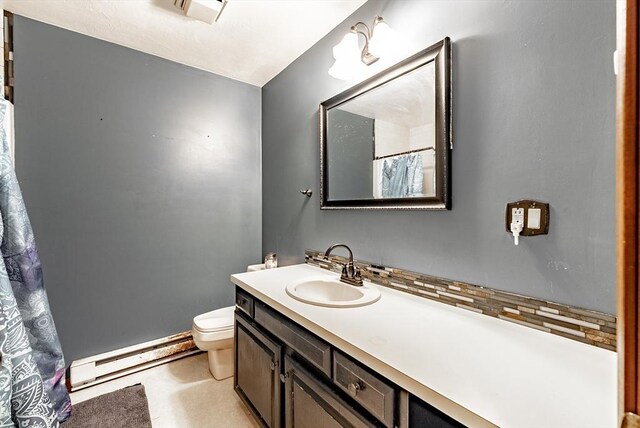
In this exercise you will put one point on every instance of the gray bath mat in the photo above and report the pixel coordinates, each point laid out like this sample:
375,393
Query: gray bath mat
124,408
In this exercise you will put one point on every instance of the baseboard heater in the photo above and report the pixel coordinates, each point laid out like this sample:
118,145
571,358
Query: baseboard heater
111,365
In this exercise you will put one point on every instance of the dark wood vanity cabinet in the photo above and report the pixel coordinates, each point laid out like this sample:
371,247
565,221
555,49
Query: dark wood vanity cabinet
421,414
375,394
291,378
310,404
257,372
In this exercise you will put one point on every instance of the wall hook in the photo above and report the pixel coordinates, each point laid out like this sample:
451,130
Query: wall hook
306,192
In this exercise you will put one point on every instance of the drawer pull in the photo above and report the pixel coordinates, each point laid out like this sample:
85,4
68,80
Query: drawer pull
244,302
368,389
354,388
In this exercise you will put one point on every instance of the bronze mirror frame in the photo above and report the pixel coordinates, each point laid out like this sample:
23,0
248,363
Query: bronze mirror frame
440,55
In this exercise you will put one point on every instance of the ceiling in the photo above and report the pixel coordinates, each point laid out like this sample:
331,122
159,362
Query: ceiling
407,101
252,41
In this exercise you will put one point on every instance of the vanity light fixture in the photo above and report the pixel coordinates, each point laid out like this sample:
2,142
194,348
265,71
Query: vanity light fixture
203,10
352,62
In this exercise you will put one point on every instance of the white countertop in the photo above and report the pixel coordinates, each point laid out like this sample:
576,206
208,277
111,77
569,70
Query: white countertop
478,369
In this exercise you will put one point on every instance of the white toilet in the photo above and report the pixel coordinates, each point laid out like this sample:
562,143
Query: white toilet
213,332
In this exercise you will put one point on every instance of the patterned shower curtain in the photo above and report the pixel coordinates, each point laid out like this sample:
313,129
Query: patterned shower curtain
32,368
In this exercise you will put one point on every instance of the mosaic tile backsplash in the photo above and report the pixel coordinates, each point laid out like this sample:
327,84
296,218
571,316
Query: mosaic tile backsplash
591,327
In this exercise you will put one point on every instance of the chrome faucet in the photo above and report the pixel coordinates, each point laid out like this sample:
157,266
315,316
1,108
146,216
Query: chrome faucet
350,273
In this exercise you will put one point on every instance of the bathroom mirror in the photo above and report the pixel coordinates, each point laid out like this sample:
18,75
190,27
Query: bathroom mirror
385,143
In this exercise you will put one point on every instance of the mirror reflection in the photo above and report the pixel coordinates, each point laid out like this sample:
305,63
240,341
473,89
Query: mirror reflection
381,144
385,143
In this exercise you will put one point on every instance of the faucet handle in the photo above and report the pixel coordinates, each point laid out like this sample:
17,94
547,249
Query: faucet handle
345,270
357,275
351,274
349,269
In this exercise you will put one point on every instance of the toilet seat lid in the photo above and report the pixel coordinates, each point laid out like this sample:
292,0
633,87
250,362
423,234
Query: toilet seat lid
220,319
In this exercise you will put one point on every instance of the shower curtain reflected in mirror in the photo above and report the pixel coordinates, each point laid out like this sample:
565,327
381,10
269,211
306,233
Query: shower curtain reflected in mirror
32,369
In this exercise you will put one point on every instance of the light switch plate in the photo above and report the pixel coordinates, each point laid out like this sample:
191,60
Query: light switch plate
533,218
536,217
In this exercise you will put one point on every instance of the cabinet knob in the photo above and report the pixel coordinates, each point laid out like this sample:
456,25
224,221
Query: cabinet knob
274,365
354,388
284,376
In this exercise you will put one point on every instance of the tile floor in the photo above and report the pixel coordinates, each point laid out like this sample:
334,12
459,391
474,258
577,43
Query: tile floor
182,394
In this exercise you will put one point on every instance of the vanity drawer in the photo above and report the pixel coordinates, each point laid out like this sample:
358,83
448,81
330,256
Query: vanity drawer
244,301
372,392
316,351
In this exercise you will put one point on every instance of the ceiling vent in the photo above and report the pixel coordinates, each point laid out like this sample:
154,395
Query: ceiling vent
203,10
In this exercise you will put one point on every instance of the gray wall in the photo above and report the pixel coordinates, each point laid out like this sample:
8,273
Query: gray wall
142,181
349,155
533,118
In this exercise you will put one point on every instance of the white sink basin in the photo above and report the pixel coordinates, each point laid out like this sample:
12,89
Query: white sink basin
327,291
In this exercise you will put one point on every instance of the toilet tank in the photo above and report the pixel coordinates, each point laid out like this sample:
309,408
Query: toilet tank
254,268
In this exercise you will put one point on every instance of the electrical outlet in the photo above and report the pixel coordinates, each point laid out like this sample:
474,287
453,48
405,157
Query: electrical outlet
517,223
533,215
517,214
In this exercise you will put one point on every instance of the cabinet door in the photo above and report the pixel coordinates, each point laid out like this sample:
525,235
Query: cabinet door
422,414
257,372
311,404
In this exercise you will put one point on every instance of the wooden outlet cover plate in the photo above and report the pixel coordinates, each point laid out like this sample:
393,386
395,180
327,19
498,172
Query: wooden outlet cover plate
526,204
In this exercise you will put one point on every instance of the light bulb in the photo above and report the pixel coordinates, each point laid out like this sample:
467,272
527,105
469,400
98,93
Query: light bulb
347,48
348,69
383,40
